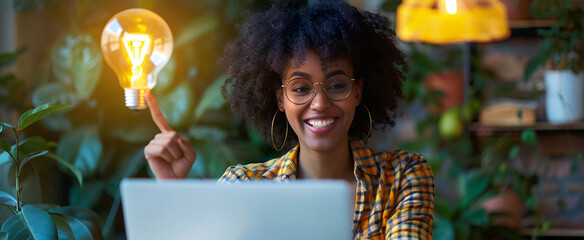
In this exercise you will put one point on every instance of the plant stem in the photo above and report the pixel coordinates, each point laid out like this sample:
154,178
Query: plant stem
17,162
111,216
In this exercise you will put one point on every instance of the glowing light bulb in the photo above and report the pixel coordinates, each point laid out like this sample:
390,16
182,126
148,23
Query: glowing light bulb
136,44
451,7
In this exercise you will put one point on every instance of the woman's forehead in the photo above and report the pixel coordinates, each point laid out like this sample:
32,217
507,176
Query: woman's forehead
309,59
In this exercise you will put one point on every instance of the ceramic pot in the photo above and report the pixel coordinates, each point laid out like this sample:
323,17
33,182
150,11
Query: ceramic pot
451,85
564,96
506,202
517,9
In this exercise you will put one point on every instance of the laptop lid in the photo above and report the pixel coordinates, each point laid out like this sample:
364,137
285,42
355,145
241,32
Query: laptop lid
203,209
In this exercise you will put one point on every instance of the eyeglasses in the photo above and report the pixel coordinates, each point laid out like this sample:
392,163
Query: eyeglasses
300,90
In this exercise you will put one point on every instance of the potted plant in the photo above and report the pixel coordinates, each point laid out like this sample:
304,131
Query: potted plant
39,221
512,173
562,53
435,76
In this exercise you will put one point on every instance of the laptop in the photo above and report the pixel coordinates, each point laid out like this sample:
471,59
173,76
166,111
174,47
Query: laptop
204,209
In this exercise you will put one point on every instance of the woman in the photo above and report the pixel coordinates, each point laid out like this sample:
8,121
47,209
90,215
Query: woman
334,73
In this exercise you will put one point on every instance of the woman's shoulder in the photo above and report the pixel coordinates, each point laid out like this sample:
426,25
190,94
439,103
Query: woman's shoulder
399,159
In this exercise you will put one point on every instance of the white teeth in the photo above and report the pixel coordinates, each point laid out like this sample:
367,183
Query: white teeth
321,123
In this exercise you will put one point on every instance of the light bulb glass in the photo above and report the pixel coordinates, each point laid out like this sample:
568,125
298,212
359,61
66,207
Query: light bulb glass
136,43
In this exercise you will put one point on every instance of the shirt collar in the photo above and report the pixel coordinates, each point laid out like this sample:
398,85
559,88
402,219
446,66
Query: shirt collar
363,157
287,169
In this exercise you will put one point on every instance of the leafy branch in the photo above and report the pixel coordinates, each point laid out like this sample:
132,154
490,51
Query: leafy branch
28,221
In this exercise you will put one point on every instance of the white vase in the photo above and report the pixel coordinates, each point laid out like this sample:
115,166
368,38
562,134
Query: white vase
564,96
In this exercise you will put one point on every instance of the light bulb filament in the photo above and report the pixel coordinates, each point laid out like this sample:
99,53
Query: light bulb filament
136,47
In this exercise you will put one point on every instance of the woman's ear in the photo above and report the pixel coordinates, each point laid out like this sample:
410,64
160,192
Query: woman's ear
279,96
358,91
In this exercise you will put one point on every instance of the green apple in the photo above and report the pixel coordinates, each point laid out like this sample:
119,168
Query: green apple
450,125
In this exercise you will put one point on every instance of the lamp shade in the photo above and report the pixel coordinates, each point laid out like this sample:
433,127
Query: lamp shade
451,21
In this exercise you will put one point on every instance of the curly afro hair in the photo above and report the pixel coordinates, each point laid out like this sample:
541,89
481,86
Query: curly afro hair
334,30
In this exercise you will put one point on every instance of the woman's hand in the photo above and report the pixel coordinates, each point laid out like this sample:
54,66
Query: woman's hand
168,155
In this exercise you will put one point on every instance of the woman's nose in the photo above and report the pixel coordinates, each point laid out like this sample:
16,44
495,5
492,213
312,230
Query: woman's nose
320,101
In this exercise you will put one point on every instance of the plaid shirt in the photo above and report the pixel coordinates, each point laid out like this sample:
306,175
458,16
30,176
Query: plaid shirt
395,190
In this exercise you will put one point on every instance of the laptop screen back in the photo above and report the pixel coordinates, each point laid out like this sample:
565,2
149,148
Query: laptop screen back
201,209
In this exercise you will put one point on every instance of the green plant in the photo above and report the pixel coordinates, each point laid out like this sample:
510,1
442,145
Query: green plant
516,170
101,137
563,45
37,221
459,214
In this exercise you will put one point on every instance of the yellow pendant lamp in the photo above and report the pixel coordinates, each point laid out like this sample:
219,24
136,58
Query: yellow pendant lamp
451,21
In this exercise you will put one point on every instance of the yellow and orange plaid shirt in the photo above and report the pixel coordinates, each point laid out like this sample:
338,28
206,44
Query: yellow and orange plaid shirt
395,190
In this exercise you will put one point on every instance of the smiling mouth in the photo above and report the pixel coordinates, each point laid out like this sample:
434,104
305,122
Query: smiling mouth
320,123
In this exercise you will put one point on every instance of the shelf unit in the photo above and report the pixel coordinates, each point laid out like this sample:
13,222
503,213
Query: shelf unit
485,130
554,140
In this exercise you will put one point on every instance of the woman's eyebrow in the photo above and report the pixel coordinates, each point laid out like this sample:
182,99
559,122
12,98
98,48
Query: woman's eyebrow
330,74
300,74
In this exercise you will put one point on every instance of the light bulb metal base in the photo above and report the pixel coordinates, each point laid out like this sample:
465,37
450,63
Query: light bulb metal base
135,98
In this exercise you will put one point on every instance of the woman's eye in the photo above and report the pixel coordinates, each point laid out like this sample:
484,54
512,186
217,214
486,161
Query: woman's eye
300,89
338,86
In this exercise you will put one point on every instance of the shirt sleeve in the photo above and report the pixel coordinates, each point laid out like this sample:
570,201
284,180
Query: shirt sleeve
412,218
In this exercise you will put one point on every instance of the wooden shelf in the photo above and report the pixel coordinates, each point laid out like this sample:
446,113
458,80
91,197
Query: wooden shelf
555,232
539,126
532,23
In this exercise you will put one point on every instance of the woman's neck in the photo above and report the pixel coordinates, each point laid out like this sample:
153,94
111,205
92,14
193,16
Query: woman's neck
336,164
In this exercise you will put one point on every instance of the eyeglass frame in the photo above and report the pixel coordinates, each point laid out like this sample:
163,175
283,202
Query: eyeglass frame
314,92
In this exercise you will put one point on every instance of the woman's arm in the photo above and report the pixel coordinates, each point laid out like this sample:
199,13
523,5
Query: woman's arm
412,218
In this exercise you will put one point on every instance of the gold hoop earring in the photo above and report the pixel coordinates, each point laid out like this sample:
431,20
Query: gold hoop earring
272,133
370,123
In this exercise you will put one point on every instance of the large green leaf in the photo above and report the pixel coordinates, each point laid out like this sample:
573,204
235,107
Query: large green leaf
209,133
7,199
471,186
28,157
135,133
77,62
81,230
87,196
76,172
5,145
215,157
31,116
212,98
3,236
32,144
7,125
64,231
177,106
196,29
5,158
81,147
83,222
30,223
56,93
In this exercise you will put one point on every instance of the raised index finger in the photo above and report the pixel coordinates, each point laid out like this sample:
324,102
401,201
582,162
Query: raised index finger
157,116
